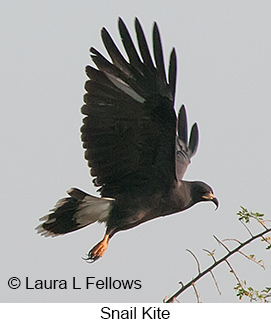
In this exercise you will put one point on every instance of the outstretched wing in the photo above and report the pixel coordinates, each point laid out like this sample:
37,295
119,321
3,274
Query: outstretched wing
130,129
185,150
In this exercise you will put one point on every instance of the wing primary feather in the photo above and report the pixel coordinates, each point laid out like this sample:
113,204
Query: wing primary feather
172,73
100,61
194,139
113,51
105,66
158,53
182,125
97,76
143,46
129,45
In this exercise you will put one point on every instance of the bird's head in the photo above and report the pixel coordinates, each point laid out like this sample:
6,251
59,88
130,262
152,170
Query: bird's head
202,192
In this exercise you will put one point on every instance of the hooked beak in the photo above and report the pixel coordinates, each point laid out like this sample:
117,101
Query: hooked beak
210,197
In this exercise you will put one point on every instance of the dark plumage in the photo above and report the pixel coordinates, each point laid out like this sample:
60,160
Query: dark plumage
137,149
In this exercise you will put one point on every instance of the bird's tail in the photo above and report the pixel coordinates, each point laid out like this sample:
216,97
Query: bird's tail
75,212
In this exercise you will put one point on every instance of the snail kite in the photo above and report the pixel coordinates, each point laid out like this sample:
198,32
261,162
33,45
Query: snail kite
136,147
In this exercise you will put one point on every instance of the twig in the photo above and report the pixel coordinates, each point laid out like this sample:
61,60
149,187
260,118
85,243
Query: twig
220,242
197,261
251,257
233,272
248,230
215,281
232,239
266,240
211,272
196,292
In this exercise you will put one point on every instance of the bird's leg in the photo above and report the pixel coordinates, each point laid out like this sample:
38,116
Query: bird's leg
98,250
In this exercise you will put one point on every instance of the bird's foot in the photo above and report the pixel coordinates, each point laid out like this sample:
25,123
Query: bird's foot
98,250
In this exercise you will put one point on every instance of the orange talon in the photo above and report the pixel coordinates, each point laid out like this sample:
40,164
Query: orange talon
99,249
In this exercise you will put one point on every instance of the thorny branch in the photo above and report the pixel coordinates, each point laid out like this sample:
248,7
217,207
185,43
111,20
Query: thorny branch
242,289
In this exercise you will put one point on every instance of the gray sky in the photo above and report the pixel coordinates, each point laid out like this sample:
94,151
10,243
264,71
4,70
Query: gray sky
224,77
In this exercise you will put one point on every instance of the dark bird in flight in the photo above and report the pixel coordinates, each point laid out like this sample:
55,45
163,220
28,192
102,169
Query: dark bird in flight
137,148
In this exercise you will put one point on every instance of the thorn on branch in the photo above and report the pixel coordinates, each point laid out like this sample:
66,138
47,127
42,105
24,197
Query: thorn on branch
181,283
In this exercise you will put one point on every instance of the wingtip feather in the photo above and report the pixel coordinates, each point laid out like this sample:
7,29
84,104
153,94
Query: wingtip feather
194,139
158,52
172,73
182,125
